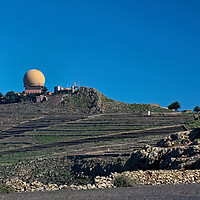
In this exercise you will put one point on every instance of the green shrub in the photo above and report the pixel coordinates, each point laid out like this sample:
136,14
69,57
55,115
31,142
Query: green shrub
124,181
5,188
193,124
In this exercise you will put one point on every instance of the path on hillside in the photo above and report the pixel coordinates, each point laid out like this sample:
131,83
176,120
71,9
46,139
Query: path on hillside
164,192
131,134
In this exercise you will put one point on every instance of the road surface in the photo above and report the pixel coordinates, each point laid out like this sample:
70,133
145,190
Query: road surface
165,192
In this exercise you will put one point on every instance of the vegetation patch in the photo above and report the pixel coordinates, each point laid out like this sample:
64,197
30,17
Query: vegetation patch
193,124
146,107
124,181
21,156
5,189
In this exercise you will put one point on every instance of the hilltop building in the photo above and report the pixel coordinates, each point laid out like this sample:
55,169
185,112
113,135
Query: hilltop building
60,89
33,81
187,111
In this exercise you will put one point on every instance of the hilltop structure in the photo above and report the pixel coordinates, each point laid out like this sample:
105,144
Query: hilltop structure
33,81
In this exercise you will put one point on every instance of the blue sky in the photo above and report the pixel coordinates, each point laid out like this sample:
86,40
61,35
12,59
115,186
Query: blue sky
132,51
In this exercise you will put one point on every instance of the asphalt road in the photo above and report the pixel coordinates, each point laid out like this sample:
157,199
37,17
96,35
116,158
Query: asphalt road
165,192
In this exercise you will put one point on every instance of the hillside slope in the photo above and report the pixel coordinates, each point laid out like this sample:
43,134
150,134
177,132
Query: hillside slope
89,100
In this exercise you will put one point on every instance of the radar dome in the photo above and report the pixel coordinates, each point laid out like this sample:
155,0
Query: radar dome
34,77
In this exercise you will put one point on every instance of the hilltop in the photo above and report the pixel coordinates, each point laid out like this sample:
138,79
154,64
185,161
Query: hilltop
89,100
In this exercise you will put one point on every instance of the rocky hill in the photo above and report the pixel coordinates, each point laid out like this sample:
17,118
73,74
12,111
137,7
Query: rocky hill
83,101
89,100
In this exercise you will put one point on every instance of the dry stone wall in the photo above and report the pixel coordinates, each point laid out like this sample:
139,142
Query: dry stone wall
148,177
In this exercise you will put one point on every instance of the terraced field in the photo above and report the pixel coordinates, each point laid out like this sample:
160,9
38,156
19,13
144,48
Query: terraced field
60,134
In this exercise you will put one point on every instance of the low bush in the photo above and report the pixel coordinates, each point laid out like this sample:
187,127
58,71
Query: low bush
193,124
124,181
5,188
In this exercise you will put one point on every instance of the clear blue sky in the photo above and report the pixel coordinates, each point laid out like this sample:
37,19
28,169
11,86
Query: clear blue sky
132,50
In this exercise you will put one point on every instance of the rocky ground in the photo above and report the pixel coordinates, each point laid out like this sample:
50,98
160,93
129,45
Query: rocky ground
175,161
177,151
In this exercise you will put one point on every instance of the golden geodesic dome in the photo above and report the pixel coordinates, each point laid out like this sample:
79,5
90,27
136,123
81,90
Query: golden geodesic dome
34,77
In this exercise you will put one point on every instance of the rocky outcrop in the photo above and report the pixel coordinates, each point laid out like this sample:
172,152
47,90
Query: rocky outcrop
84,100
181,139
178,151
